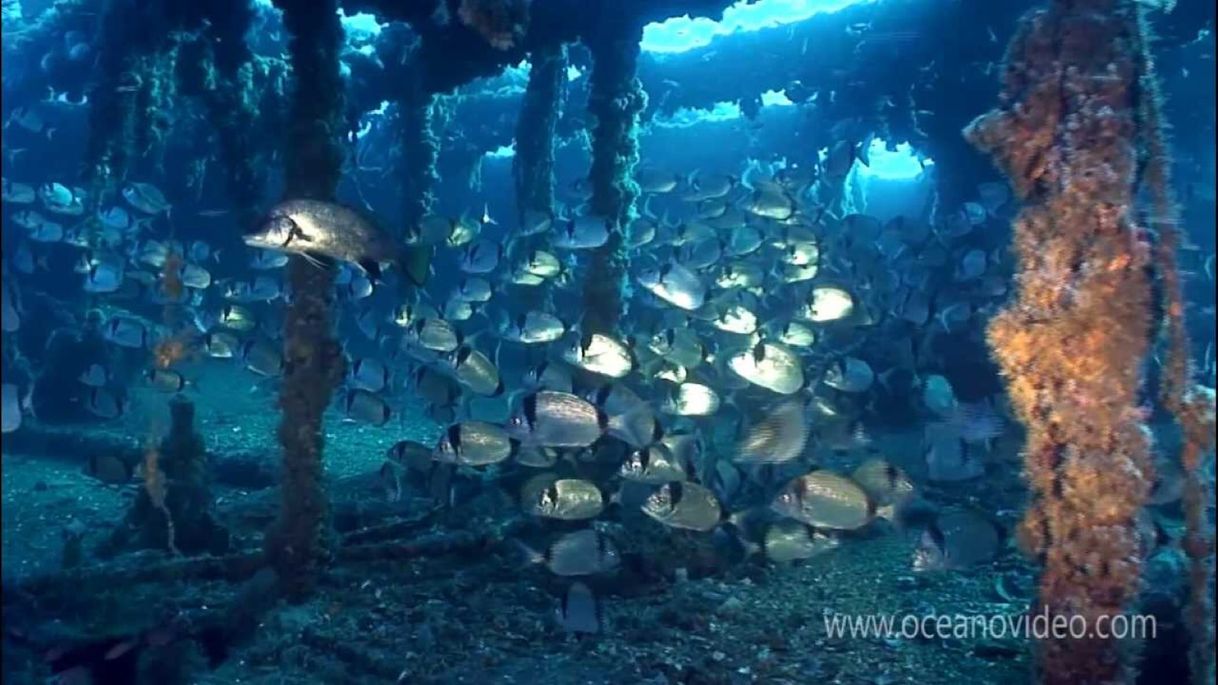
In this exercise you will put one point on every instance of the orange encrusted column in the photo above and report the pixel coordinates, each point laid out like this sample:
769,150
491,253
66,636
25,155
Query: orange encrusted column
1073,342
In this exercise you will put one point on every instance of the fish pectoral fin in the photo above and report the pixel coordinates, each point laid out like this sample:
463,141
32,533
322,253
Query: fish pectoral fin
372,268
318,260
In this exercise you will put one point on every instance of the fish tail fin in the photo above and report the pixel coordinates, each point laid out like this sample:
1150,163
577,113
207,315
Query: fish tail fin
530,555
863,154
750,547
415,263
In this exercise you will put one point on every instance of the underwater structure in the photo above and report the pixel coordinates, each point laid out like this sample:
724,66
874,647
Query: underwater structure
1077,118
299,544
615,100
533,166
1078,131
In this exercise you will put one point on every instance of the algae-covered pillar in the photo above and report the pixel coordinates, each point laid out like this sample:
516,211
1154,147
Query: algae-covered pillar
230,101
533,165
1073,343
130,38
615,100
297,545
420,147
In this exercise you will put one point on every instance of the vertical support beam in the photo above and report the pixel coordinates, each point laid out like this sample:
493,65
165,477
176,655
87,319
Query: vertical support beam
230,102
420,148
297,545
615,102
1072,344
533,165
130,33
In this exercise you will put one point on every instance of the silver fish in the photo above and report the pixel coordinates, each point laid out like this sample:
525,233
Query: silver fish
557,419
600,354
474,371
580,553
568,499
260,356
433,229
474,443
361,405
531,328
779,436
581,611
884,482
788,540
828,303
221,345
850,374
826,500
771,366
972,266
654,465
736,319
692,399
368,374
474,289
770,201
549,376
433,334
104,278
14,193
127,332
582,233
542,264
629,417
675,284
481,257
145,197
959,538
96,376
948,457
685,505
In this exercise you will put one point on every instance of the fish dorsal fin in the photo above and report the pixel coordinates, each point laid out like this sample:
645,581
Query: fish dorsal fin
530,410
676,492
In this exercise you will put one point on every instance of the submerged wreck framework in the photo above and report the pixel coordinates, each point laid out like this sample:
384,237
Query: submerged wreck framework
1077,131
